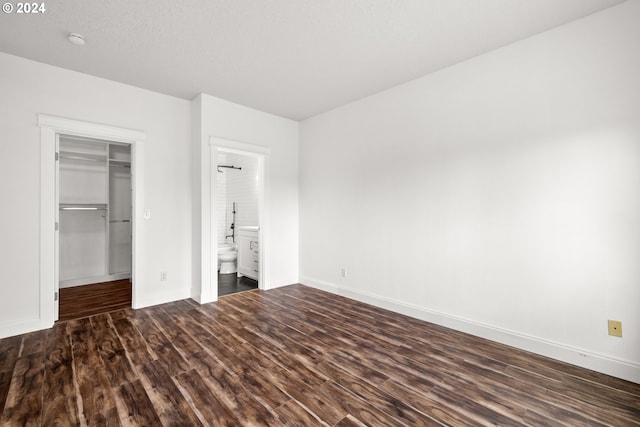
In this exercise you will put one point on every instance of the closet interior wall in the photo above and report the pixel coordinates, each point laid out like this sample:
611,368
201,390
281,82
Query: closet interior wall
94,199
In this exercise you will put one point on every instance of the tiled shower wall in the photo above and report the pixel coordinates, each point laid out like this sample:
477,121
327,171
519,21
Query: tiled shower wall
240,186
221,192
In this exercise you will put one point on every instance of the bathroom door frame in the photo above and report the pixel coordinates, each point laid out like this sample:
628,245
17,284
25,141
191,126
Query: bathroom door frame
261,153
50,128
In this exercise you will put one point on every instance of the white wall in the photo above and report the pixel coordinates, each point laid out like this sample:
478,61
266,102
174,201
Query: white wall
499,196
235,122
29,88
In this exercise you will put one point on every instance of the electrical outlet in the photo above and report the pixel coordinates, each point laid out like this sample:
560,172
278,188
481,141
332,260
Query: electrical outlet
163,276
615,328
344,272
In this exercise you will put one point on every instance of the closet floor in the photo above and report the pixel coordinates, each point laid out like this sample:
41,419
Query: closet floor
230,284
86,300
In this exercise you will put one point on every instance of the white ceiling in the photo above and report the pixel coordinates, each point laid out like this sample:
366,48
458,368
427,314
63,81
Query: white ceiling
293,58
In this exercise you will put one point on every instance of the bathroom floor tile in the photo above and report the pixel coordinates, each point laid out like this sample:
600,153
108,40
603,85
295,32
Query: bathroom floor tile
230,284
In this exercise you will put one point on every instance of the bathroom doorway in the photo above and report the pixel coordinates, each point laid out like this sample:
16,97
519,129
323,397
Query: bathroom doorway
237,209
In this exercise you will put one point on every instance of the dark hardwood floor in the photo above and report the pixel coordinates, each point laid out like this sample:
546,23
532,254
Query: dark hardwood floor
87,300
290,356
231,284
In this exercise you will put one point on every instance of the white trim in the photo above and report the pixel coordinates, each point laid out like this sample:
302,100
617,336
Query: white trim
261,153
91,130
239,147
169,295
47,310
209,262
624,369
21,327
137,216
94,279
49,127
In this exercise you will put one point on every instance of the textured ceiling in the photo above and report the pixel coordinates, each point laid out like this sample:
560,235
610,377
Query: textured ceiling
293,58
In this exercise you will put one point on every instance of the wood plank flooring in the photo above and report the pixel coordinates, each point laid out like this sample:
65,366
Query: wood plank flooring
87,300
291,356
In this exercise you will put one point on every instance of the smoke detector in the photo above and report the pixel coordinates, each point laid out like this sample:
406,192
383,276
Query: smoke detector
77,39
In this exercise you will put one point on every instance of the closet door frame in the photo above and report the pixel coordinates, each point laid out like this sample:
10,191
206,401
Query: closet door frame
50,127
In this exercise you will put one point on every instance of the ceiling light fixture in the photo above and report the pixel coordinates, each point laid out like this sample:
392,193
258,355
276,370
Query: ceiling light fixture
77,39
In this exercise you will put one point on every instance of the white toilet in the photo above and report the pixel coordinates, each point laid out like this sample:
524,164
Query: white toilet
227,258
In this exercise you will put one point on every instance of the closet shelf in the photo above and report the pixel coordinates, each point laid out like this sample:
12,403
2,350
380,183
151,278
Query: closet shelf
119,163
71,155
83,207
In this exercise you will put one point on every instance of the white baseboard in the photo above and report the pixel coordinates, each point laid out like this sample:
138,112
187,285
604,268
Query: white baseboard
94,279
624,369
276,285
162,298
21,327
32,325
200,299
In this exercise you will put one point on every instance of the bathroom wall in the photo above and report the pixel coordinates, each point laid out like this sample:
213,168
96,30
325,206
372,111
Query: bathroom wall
242,188
498,196
239,186
221,208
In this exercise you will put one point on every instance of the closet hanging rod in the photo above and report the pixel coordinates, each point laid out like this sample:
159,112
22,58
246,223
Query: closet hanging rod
119,220
111,165
83,207
228,167
85,157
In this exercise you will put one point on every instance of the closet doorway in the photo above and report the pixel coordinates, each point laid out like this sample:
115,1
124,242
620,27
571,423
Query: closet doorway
94,221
